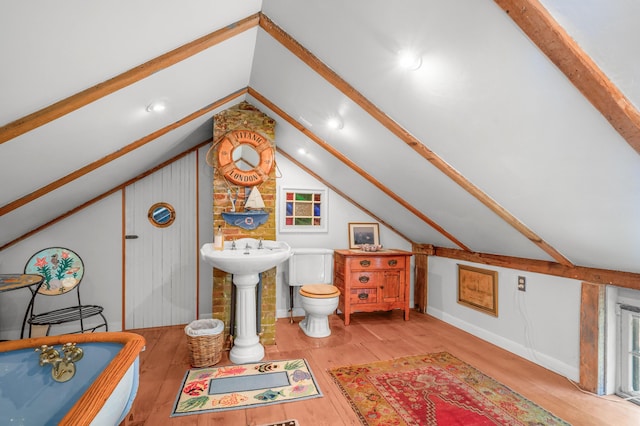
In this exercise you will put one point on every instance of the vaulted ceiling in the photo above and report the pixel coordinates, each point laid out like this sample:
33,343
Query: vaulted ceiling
519,134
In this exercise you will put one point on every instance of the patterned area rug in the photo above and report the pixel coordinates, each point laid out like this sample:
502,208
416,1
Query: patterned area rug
434,389
245,386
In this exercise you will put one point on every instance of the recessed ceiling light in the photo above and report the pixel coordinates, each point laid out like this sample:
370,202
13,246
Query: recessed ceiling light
335,122
409,59
157,106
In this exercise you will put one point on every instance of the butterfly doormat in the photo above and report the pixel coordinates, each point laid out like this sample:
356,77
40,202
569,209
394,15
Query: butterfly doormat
232,387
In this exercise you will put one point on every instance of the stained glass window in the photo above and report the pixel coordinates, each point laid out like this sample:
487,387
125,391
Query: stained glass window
304,210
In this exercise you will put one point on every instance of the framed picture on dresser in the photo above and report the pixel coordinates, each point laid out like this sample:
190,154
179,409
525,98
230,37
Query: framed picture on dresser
363,233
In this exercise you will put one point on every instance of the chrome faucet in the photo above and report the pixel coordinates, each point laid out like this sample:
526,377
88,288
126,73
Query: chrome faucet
233,245
62,367
260,247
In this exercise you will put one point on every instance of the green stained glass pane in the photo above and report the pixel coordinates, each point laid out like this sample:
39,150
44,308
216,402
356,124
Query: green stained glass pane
305,221
303,197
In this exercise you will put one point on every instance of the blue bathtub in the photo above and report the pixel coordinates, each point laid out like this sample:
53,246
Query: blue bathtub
100,393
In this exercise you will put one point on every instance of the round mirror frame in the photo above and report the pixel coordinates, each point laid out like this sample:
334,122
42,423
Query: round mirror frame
229,168
162,205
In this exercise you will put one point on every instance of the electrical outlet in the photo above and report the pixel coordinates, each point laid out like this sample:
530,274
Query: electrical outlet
522,283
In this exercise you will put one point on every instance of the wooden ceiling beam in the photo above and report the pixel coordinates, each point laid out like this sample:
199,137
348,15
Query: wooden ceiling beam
119,187
536,22
355,167
127,78
591,275
7,208
328,74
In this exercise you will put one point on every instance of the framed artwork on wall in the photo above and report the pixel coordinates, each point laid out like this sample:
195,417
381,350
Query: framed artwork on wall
478,289
363,233
303,210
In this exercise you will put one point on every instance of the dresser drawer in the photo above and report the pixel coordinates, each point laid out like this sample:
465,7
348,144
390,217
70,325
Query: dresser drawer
363,295
364,279
373,262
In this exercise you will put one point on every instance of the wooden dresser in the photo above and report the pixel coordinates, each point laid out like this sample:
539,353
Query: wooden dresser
372,281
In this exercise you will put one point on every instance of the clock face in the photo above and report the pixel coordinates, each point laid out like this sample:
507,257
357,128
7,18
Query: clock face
245,157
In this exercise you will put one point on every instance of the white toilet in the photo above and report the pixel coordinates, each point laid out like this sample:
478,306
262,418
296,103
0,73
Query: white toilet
311,270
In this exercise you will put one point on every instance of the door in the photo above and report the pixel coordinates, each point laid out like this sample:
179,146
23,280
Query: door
161,259
391,287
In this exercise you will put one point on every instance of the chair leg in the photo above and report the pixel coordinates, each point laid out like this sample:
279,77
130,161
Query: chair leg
106,326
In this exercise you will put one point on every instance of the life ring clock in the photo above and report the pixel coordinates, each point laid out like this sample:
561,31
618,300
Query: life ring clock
245,157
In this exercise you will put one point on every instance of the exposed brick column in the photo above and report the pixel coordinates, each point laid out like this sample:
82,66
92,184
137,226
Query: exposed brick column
244,116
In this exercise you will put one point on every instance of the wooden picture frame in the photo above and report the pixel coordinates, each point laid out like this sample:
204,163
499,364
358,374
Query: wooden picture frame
478,289
363,233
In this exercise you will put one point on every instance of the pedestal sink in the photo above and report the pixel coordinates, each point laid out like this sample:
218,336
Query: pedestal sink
246,258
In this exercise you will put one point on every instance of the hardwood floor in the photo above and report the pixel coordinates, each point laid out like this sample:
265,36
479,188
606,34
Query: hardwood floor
369,337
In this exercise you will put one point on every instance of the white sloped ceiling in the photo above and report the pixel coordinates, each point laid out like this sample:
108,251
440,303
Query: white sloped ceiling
489,103
485,100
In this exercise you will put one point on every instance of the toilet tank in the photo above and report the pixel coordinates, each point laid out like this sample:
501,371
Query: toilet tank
310,266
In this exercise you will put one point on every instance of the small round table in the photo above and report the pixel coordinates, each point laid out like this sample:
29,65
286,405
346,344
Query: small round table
10,282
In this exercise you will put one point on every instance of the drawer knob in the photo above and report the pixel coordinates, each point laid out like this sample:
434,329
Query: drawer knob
363,279
392,262
363,296
365,262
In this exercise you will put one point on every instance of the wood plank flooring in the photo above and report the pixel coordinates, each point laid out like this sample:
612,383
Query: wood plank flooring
369,337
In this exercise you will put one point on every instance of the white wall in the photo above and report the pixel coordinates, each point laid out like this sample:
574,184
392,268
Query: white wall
541,324
341,212
95,234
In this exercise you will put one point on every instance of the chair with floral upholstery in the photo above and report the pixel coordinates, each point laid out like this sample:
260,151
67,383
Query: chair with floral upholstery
62,271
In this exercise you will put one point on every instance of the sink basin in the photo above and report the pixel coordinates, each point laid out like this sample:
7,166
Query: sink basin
246,261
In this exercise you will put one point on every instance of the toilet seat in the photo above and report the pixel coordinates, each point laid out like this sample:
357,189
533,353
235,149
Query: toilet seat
319,291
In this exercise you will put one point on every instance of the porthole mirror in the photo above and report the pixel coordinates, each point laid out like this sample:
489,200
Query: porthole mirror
161,214
245,157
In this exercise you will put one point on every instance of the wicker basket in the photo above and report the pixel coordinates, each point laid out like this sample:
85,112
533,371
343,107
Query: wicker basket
205,350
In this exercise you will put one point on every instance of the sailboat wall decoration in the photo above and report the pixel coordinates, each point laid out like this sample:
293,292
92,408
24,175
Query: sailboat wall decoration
254,214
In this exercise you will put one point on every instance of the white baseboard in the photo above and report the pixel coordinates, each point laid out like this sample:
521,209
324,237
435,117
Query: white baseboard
525,352
284,313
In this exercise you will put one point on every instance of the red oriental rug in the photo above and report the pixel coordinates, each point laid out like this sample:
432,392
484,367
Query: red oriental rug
434,389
